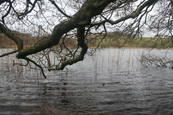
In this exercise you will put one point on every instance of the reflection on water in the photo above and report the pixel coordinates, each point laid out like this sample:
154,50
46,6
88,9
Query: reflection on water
112,82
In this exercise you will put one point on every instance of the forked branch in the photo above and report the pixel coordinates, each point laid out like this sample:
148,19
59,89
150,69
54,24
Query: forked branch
82,44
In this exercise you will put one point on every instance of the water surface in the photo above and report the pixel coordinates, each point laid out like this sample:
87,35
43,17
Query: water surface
112,82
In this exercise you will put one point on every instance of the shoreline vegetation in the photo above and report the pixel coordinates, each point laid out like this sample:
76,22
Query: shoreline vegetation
112,40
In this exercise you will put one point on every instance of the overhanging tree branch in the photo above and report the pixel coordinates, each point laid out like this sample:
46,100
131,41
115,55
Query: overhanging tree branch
82,44
12,36
81,18
132,15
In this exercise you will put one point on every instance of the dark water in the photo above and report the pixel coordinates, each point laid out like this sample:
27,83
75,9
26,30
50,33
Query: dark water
112,82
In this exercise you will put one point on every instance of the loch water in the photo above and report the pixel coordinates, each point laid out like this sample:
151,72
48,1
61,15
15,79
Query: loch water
111,82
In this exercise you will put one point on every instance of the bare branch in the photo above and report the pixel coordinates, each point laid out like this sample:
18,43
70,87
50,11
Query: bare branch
59,9
42,71
9,53
2,1
12,36
132,15
27,10
81,18
8,11
82,44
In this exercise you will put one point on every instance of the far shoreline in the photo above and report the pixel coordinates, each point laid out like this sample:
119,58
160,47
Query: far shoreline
103,48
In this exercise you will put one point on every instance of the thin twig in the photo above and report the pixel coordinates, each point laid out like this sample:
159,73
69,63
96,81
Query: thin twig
42,71
9,53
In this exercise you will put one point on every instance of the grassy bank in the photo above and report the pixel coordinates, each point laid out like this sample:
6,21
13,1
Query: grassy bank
135,43
111,41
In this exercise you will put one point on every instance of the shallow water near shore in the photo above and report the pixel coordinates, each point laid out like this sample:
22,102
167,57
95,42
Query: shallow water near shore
111,82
